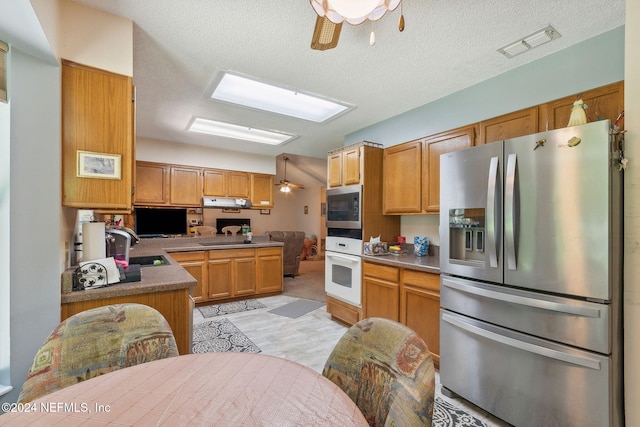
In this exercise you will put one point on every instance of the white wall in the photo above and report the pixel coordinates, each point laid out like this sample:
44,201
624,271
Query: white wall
153,150
632,215
95,38
34,209
5,247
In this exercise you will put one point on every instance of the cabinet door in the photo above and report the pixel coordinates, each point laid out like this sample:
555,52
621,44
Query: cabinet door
402,178
152,183
518,123
97,129
420,307
244,279
186,186
269,270
434,146
604,103
220,278
194,263
334,170
351,166
215,182
261,191
381,291
238,185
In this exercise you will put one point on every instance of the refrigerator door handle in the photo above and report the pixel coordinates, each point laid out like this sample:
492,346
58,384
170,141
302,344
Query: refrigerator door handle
510,224
522,345
492,226
520,300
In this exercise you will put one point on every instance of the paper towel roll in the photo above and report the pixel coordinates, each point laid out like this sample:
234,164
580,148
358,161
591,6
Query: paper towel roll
93,241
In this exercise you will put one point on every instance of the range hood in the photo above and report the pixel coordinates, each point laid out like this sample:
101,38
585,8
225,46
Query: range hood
225,202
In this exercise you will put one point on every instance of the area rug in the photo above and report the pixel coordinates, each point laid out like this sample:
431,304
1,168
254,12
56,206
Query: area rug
221,335
447,415
297,308
230,307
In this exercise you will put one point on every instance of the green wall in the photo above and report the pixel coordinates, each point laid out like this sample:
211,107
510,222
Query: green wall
593,63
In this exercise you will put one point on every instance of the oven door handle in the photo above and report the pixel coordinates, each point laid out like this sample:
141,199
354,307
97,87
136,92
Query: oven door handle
349,258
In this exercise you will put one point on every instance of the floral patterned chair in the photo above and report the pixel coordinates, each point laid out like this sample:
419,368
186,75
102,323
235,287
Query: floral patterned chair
95,342
387,370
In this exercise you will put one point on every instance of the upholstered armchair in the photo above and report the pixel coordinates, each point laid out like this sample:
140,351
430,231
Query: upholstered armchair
95,342
387,370
291,251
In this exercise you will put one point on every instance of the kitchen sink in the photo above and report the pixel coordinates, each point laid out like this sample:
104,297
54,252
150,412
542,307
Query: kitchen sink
149,260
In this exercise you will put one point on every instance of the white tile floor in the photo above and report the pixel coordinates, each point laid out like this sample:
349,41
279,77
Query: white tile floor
308,340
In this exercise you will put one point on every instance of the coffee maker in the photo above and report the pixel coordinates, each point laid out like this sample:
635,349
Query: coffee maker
119,241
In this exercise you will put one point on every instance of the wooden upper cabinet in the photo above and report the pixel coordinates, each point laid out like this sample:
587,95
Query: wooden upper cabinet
434,146
185,186
334,170
402,178
224,183
603,103
97,129
518,123
351,166
343,168
152,183
215,182
239,184
261,191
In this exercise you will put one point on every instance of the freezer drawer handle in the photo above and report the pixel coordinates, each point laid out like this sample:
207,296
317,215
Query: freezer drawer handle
510,225
492,227
525,346
516,299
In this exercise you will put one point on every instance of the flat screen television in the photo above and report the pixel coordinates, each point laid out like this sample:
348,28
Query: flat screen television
160,222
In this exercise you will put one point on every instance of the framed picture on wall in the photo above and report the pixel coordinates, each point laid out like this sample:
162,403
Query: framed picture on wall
98,165
265,211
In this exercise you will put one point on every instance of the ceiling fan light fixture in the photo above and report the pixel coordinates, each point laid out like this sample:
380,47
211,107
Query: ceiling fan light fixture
353,11
285,189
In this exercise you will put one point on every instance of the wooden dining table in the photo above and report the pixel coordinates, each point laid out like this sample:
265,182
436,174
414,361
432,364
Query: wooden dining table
210,389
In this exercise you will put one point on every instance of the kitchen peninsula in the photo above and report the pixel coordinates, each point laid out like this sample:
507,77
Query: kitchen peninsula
168,287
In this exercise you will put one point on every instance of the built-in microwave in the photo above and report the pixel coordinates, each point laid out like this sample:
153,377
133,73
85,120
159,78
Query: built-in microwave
344,208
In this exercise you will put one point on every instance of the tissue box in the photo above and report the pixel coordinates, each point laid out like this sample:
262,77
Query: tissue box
378,248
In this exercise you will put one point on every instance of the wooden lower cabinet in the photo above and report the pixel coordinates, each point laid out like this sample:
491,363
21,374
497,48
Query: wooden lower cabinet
380,291
410,297
233,274
269,270
174,305
195,264
420,307
343,312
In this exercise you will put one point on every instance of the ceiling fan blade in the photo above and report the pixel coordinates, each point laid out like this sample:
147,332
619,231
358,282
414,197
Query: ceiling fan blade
325,34
300,186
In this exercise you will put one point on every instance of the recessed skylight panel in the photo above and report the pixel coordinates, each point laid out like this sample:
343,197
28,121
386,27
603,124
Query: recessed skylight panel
229,130
255,94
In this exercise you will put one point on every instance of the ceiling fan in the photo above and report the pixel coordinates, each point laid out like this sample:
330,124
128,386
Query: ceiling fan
332,13
285,185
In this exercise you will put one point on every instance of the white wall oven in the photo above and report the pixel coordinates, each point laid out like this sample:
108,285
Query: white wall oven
343,266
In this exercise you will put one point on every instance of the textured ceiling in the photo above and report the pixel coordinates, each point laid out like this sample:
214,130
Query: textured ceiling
180,46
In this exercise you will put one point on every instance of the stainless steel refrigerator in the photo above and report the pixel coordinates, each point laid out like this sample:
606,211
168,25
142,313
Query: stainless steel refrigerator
531,277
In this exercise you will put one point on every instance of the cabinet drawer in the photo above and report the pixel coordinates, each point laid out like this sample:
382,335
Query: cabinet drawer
384,272
231,253
421,279
269,251
188,256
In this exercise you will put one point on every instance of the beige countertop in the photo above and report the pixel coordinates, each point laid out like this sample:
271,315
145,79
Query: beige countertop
429,263
159,278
